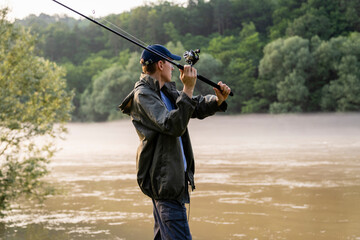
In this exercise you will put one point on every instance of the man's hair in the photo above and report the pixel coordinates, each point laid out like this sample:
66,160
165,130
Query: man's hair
150,68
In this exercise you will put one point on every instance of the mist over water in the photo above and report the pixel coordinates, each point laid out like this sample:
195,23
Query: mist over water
257,177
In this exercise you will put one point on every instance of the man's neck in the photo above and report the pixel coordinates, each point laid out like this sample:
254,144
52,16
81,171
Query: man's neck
157,76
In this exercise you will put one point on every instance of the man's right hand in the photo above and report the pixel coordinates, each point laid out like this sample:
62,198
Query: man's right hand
188,77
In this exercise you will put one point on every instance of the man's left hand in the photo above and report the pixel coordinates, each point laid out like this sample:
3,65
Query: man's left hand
223,94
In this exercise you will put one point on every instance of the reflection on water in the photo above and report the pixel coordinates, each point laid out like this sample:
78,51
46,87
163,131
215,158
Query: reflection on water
258,177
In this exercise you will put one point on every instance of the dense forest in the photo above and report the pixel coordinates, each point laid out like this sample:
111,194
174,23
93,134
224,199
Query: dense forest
278,56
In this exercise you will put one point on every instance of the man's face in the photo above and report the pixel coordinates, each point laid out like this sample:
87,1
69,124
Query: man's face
167,71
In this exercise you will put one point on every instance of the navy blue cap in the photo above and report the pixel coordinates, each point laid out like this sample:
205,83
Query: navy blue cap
149,57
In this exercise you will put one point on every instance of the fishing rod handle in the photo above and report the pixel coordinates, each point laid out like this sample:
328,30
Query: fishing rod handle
211,83
200,77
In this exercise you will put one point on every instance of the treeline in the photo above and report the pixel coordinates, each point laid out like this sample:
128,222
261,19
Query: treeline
278,56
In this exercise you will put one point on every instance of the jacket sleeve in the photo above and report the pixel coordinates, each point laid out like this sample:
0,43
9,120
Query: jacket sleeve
207,106
154,114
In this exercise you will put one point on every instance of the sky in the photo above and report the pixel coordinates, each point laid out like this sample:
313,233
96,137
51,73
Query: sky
97,8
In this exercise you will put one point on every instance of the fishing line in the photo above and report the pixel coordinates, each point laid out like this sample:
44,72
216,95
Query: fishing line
124,31
100,19
120,29
130,35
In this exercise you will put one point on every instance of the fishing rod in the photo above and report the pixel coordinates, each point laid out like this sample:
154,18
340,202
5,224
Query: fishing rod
191,56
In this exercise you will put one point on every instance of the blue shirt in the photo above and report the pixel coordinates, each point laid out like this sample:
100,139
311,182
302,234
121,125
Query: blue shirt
170,106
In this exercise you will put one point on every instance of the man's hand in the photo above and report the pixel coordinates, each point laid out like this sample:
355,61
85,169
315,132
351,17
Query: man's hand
188,77
223,94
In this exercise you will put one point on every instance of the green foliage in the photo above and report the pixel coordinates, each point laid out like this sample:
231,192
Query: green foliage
33,102
343,92
223,48
242,70
208,62
310,25
284,13
324,18
79,77
301,67
171,31
301,75
99,102
292,94
283,73
258,12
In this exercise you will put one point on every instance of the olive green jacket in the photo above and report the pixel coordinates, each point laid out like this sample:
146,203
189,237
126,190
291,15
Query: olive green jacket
159,163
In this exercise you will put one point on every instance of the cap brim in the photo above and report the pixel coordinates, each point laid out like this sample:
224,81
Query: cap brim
175,57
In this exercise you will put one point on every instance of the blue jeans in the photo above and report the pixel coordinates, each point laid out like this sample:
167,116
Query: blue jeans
170,220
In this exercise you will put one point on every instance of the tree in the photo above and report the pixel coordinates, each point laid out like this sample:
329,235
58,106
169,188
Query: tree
223,48
298,74
240,55
222,14
343,92
79,77
171,31
33,103
284,13
205,63
258,12
292,94
325,18
310,25
283,74
99,102
242,70
200,18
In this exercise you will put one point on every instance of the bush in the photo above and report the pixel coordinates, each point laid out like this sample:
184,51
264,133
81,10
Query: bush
33,103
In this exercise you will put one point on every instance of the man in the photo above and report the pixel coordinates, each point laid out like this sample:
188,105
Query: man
160,114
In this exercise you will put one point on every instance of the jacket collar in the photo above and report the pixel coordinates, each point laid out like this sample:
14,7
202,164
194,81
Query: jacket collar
169,88
152,82
125,106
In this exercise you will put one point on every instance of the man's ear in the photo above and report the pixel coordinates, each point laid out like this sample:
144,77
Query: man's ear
160,65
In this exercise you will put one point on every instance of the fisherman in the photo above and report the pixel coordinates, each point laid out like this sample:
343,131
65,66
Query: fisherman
160,114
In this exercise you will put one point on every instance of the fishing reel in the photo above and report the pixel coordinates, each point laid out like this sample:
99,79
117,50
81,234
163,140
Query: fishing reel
191,57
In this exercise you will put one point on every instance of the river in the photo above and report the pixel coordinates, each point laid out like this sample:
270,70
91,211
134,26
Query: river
257,177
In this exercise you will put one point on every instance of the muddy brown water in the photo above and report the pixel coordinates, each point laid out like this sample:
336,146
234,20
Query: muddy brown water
257,177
